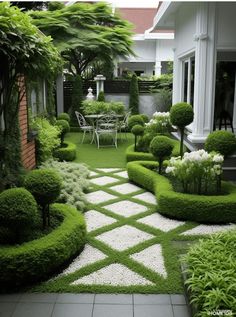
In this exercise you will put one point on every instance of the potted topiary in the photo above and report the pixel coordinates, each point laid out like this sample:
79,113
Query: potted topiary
161,147
181,115
137,130
223,142
45,186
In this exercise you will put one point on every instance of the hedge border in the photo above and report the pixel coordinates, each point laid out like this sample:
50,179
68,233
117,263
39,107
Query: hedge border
66,153
204,209
131,155
37,259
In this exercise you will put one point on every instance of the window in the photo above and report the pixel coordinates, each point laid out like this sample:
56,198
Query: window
188,80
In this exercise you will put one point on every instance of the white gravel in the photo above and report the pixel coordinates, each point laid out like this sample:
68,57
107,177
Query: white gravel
92,173
114,274
147,197
152,258
99,197
88,256
124,237
123,174
126,188
162,223
95,220
208,229
108,170
104,180
126,208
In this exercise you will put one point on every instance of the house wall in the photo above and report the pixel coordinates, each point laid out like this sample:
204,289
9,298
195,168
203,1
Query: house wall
226,27
27,148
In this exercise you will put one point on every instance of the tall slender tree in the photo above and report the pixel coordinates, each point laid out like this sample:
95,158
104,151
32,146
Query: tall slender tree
134,95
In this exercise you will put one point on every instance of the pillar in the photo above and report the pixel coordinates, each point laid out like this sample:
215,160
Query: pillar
99,83
60,94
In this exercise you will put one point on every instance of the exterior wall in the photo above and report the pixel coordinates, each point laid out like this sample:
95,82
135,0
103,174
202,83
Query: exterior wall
226,25
27,148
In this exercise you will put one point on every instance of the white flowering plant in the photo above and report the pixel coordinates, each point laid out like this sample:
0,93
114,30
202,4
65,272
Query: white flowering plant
197,172
159,123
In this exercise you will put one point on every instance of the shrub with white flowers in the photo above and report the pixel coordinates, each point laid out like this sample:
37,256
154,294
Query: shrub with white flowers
197,171
159,123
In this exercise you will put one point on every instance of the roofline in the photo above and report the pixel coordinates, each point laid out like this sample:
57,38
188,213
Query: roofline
165,10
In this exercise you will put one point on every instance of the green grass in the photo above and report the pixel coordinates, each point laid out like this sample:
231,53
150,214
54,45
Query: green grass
103,157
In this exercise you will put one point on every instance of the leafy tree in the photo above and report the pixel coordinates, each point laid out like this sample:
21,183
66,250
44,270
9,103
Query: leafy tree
134,95
86,34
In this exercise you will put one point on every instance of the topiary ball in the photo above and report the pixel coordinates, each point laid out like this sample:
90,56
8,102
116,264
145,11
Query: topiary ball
18,208
223,142
145,117
144,142
137,130
63,125
161,147
64,116
45,185
181,114
134,120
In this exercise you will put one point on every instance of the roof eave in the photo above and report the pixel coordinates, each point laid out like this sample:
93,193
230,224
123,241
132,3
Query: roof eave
165,15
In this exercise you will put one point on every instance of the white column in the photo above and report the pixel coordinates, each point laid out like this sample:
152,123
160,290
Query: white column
157,66
99,83
60,94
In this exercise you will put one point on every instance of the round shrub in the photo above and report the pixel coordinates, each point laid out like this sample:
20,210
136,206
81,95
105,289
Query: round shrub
144,142
44,185
64,116
181,114
161,147
134,120
66,153
137,130
145,117
64,127
223,142
101,96
18,208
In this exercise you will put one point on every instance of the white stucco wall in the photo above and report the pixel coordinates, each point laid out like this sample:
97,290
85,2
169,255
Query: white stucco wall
226,28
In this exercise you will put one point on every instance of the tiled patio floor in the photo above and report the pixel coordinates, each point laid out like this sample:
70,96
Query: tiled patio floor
92,305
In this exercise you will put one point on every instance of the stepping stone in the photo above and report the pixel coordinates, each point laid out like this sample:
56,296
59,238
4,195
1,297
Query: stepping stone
123,174
126,188
92,173
88,256
208,229
108,170
126,208
99,197
152,258
95,220
104,180
162,223
113,274
147,197
124,237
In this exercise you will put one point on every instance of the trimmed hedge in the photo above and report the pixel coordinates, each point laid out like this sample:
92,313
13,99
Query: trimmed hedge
131,155
67,153
37,259
200,208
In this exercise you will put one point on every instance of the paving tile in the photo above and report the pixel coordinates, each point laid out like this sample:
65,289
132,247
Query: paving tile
92,173
160,222
152,299
38,297
75,298
101,310
72,310
208,229
178,299
6,309
124,237
33,310
180,311
99,197
95,220
153,311
114,299
10,297
108,170
147,197
123,174
126,208
126,188
104,180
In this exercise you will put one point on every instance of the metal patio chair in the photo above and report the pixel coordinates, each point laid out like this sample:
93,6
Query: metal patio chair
84,126
107,126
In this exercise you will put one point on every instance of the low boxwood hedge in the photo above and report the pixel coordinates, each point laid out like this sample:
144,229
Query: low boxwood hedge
37,259
67,153
200,208
131,155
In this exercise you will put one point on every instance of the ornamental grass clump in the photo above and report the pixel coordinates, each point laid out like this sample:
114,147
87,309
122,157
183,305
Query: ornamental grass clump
137,131
161,147
198,172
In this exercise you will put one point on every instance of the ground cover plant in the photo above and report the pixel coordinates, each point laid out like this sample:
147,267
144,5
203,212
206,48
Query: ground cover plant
211,274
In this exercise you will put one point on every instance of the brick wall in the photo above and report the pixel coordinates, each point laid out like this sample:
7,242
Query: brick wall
27,148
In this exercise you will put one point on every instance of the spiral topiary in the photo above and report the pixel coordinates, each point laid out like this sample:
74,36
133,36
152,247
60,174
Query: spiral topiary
64,116
45,186
181,115
134,120
161,147
137,130
64,127
223,142
18,210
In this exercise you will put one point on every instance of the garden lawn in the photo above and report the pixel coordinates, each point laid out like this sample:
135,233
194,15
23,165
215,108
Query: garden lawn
130,248
103,157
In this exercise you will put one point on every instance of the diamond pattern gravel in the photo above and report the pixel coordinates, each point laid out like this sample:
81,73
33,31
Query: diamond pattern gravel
147,197
104,180
160,222
95,220
126,188
208,229
126,208
99,197
123,174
